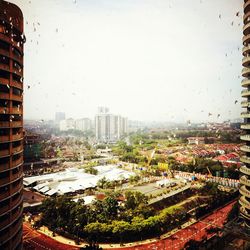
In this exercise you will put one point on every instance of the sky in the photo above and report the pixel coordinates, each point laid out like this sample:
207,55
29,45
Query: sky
148,60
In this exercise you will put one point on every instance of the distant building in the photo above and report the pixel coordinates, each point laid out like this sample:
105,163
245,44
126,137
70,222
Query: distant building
67,124
103,110
196,140
59,116
83,124
109,127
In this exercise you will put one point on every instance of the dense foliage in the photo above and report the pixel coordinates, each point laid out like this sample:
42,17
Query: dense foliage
201,165
109,220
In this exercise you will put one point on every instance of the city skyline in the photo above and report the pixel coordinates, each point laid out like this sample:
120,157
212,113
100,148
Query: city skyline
134,57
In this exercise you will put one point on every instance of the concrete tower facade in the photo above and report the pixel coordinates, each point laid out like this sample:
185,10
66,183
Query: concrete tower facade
11,125
245,170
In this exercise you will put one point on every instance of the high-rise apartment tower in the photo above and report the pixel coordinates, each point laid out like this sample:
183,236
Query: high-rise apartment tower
245,170
109,127
11,125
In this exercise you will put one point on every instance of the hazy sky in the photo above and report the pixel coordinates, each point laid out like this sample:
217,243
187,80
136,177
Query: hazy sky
164,60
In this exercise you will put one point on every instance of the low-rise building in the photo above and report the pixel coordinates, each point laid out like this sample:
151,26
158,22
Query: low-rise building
196,140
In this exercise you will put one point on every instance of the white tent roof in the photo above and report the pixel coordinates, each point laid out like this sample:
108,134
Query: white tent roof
72,180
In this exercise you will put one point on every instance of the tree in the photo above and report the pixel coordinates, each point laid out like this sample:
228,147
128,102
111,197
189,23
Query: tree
91,170
233,213
101,182
120,228
192,245
110,207
135,199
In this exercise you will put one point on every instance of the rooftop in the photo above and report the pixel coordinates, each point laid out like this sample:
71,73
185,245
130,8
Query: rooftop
74,179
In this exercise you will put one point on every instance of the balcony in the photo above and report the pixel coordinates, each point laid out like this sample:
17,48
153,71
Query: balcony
4,152
244,202
17,162
16,84
5,38
17,98
12,232
245,72
245,82
16,111
16,176
4,124
4,110
11,191
245,137
245,104
17,188
245,148
246,17
246,6
16,124
4,222
245,126
17,137
13,124
246,39
17,149
16,227
18,213
4,181
4,67
4,138
8,40
4,195
17,69
17,201
16,240
246,60
245,170
246,29
244,213
4,208
17,58
244,191
244,180
245,49
245,114
245,93
4,96
4,52
4,167
245,159
18,72
4,81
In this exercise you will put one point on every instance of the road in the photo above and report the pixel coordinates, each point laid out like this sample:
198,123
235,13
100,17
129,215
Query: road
38,241
196,231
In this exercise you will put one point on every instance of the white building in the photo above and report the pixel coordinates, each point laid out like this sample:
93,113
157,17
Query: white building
83,124
59,116
73,179
196,140
67,124
109,127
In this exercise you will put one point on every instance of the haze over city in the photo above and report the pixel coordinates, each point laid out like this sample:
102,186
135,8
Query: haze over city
147,60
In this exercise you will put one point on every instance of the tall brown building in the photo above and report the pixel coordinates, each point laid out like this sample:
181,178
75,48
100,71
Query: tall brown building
11,125
245,170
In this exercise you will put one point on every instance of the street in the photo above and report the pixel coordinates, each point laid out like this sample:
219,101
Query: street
196,231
